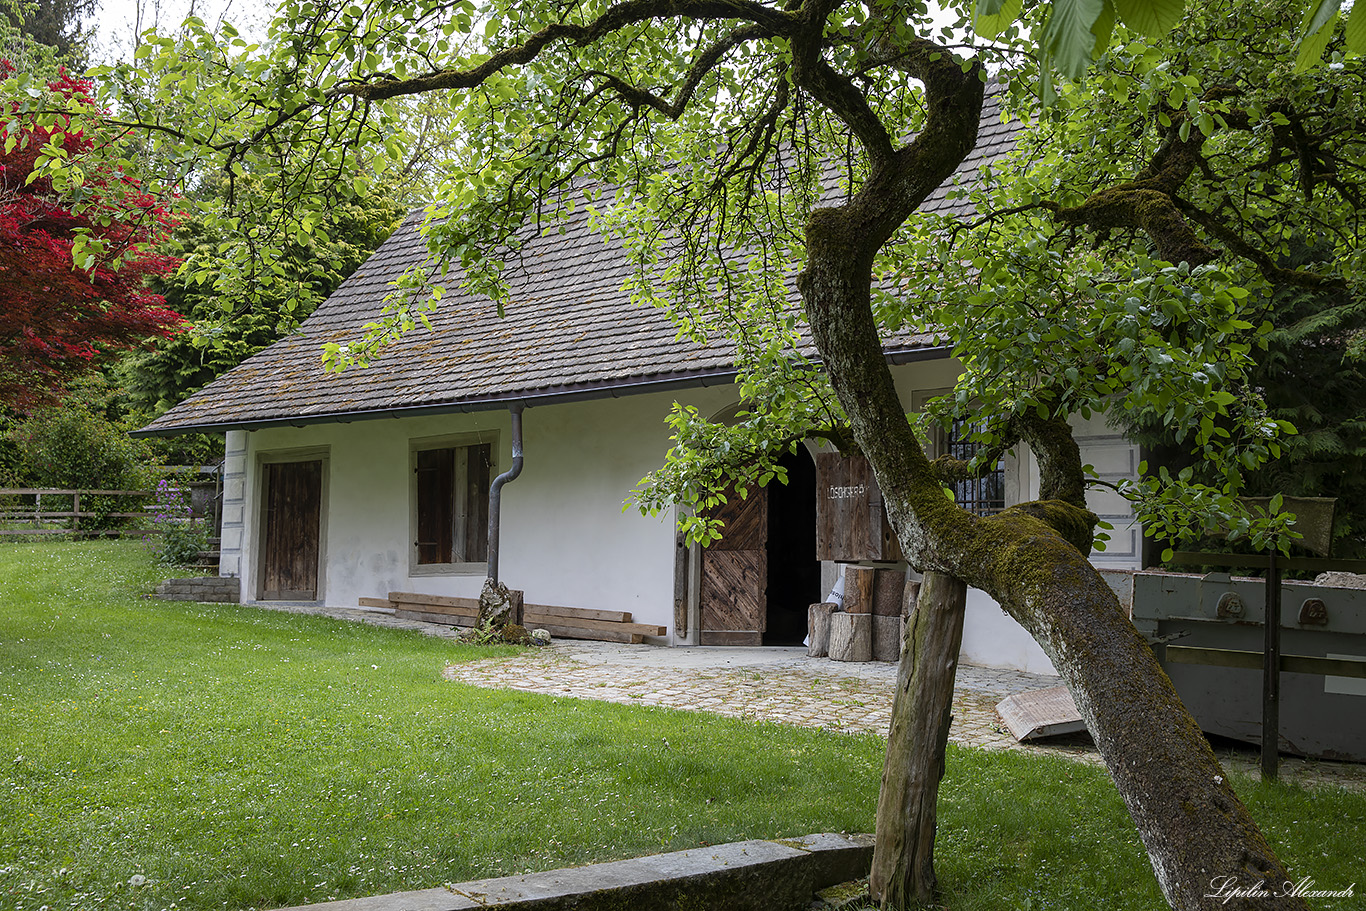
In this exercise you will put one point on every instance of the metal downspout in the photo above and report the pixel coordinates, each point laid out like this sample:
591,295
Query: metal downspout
496,488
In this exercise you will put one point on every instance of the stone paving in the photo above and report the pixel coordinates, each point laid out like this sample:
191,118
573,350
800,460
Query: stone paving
783,685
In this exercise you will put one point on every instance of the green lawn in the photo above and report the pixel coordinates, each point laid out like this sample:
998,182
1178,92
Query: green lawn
238,758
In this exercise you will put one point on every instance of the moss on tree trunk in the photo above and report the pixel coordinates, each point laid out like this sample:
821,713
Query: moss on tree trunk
1028,558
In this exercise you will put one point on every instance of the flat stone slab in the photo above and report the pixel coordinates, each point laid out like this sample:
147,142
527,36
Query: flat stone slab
742,876
1041,713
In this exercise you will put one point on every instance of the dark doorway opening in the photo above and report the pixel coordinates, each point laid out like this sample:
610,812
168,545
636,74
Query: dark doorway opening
794,573
759,578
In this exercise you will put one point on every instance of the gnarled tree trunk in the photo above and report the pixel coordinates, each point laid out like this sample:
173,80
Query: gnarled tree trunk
1031,558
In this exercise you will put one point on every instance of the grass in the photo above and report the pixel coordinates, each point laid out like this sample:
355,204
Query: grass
238,758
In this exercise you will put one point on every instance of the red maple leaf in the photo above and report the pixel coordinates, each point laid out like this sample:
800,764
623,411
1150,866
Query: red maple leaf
56,318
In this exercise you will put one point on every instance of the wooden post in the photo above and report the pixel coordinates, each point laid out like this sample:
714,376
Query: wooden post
887,633
1271,674
818,629
680,585
909,597
903,858
851,636
889,589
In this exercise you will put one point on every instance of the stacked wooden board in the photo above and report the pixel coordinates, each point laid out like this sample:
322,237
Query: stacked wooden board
429,608
584,623
562,622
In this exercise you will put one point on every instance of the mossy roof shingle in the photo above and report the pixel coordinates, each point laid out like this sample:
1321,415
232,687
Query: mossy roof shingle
569,331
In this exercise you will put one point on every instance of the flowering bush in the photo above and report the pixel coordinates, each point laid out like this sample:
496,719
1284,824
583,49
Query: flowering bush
180,539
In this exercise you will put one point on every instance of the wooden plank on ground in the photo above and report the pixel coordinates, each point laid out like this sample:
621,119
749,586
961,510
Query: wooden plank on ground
461,607
1040,713
534,618
583,613
602,635
428,617
374,602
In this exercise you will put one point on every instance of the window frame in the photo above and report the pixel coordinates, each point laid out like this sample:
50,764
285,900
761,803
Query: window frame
458,509
940,443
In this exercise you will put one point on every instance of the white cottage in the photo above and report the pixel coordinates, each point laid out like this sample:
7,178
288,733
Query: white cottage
350,486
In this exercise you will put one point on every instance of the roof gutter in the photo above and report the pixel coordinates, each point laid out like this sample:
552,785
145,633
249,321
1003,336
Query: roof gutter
603,389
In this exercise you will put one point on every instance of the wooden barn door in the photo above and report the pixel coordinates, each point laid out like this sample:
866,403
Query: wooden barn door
734,592
290,530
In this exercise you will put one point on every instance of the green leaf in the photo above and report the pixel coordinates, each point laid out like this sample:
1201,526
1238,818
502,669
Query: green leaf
1047,94
1102,29
1315,33
1153,18
1356,29
1067,34
991,17
1317,16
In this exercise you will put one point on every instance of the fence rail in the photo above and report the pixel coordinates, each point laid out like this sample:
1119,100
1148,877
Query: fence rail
25,506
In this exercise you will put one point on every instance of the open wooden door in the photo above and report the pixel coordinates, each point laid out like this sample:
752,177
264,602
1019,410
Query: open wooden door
734,592
291,523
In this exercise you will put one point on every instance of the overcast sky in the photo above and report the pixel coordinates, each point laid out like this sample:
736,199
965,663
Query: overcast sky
117,21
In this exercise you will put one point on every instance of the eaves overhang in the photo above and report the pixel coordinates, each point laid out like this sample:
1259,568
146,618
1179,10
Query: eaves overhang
554,395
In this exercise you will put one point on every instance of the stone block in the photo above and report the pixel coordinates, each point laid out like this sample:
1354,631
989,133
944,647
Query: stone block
742,876
216,589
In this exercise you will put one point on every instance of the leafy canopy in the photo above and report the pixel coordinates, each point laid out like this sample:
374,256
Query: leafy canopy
691,111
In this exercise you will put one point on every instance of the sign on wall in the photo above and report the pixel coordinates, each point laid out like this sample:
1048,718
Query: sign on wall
851,524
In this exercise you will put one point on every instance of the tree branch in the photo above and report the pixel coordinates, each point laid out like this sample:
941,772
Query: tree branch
637,97
767,21
1300,278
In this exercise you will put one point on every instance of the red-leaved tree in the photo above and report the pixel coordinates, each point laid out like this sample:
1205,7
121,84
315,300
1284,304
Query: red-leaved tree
73,263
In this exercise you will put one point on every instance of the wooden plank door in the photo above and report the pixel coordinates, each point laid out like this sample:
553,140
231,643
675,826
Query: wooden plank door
291,524
734,592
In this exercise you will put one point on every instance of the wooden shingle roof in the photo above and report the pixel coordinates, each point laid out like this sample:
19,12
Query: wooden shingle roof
570,332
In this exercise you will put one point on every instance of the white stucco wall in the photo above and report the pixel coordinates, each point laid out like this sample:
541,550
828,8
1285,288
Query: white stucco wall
565,537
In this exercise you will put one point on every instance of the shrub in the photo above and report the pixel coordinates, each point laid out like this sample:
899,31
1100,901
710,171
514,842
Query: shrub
75,446
180,538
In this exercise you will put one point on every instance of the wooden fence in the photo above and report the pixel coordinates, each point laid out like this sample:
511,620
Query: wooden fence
42,511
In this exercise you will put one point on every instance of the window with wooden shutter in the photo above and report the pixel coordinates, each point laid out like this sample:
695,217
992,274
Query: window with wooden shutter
451,506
